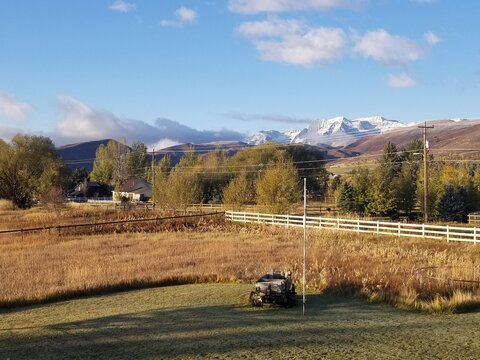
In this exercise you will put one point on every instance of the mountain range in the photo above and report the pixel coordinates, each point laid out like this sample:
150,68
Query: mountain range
339,138
337,131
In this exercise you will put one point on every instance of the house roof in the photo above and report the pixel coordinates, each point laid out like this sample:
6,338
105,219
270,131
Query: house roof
93,184
134,185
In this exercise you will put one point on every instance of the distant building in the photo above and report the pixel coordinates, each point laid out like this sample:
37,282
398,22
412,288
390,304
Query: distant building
89,189
134,190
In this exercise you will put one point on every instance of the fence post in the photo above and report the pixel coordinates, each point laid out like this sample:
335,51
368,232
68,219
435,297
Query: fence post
319,222
288,220
475,235
448,234
423,231
244,217
358,225
258,218
378,226
399,230
338,223
273,219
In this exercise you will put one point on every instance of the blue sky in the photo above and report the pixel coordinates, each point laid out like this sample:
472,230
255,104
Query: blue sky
190,70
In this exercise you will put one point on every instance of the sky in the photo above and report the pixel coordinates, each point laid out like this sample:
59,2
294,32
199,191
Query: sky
172,71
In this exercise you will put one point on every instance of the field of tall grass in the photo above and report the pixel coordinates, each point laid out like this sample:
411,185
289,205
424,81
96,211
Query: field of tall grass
45,266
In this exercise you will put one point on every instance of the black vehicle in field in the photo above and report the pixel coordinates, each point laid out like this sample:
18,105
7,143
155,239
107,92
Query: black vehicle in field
274,288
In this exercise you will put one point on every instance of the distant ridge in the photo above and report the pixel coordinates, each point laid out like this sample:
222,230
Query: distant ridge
82,154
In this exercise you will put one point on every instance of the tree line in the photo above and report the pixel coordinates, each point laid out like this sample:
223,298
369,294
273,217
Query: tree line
270,175
266,175
395,186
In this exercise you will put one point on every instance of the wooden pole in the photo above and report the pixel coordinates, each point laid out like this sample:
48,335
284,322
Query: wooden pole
153,178
304,240
425,171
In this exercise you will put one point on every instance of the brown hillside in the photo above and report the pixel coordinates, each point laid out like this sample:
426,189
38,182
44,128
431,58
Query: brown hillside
446,135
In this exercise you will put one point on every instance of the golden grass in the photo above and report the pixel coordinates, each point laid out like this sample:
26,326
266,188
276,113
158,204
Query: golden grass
6,205
41,267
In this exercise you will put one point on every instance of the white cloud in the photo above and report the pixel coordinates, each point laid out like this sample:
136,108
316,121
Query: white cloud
388,49
272,27
401,81
12,108
81,122
431,38
258,6
8,132
162,144
122,6
186,15
293,42
183,16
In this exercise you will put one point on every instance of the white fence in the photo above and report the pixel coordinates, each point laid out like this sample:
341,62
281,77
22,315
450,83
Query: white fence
448,233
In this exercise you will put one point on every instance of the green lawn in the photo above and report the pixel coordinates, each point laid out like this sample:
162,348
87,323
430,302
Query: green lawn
213,321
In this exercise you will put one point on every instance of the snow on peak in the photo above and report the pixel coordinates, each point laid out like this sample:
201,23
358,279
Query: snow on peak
266,136
337,131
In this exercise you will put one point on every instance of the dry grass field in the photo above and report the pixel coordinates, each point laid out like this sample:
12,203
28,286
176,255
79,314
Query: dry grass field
47,266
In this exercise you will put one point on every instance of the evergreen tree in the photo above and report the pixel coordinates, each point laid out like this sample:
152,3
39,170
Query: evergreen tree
363,185
383,196
346,200
453,204
385,193
390,162
407,188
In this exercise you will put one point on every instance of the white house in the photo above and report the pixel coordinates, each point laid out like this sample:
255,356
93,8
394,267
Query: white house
134,190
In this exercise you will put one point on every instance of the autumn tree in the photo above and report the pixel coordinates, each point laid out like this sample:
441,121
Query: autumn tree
279,187
184,186
137,161
239,191
214,176
160,187
29,168
110,165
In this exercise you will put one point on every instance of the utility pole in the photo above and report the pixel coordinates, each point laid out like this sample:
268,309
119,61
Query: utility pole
425,171
304,239
153,177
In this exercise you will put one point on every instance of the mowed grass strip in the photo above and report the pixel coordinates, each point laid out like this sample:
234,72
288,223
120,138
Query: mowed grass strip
37,269
212,321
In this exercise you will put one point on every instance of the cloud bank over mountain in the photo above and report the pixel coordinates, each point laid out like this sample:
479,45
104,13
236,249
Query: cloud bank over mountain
80,122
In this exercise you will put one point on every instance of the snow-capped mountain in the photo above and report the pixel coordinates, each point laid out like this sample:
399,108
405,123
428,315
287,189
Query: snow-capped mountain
338,131
266,136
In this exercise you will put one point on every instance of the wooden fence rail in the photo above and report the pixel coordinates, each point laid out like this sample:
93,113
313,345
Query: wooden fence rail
112,222
426,231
